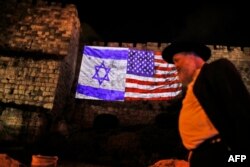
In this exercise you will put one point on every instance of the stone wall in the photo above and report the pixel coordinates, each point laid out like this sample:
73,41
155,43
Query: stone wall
38,52
22,124
29,81
240,56
38,64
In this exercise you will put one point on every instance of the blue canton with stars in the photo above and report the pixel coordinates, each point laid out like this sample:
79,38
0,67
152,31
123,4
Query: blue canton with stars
97,76
141,63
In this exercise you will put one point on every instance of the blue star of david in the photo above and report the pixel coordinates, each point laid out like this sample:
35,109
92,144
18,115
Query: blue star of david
97,76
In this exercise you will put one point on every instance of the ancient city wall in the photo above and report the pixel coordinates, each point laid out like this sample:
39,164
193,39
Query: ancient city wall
38,64
38,52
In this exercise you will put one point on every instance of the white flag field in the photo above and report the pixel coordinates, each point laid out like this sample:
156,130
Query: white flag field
125,74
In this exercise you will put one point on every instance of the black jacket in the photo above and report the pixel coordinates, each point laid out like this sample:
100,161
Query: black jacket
226,100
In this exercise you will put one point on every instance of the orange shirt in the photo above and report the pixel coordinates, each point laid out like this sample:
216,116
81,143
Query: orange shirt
194,125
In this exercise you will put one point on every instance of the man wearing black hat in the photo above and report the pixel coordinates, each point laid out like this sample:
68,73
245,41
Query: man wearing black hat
215,115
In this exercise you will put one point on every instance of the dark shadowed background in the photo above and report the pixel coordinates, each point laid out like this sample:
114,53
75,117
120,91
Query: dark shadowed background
212,23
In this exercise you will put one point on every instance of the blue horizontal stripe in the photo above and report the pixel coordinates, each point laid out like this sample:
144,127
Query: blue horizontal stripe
106,52
103,94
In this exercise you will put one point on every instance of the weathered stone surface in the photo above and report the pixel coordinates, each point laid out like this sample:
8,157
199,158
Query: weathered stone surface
40,28
38,52
24,79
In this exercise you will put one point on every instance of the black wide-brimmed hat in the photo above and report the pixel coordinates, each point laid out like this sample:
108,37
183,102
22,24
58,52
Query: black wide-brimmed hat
199,49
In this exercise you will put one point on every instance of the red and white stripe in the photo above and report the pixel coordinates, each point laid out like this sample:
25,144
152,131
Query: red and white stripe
164,85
